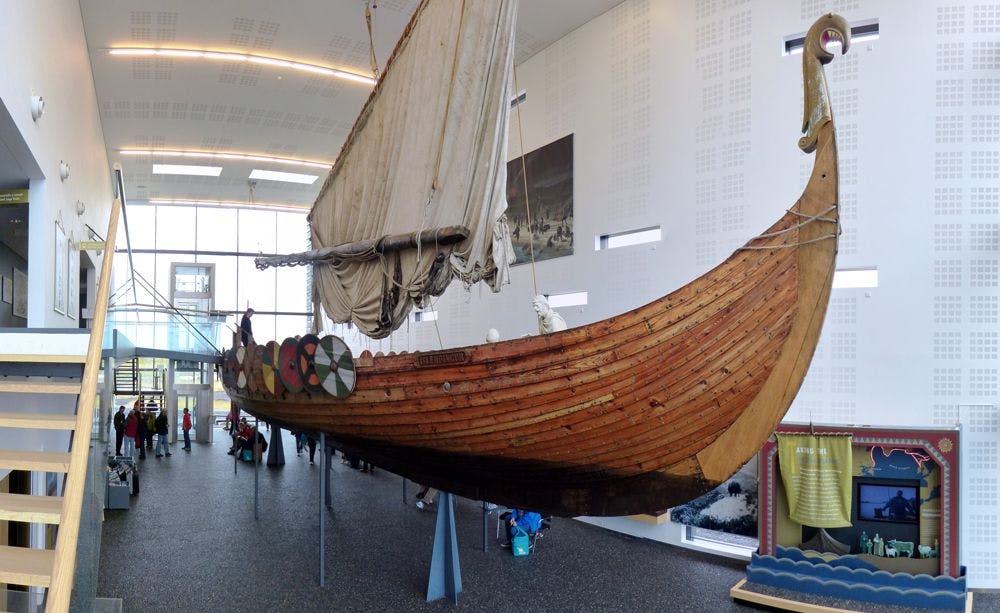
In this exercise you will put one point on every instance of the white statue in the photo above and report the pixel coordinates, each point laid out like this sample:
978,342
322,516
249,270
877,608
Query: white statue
492,336
548,319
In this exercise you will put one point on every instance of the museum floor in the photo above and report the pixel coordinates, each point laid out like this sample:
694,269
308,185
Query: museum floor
190,543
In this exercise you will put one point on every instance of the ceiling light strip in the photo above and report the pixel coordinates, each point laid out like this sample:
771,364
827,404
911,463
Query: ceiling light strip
243,57
232,204
226,155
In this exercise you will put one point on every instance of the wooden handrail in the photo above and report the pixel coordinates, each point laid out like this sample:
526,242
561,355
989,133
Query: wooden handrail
61,587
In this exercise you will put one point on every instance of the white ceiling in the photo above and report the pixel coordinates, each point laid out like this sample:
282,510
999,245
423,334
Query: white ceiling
194,104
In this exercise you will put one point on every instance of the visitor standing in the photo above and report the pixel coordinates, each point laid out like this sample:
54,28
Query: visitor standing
150,424
186,425
246,330
131,433
140,432
119,429
162,428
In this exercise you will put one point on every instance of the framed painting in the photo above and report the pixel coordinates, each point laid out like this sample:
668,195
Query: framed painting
20,308
60,265
6,289
547,173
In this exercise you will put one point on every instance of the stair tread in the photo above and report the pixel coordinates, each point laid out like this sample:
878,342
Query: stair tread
48,461
23,566
42,421
33,509
41,386
48,358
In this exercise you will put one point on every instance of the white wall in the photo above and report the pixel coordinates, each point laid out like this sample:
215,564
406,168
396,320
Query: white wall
46,53
686,115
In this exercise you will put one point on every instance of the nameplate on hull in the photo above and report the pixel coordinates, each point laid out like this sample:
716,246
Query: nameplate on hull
443,359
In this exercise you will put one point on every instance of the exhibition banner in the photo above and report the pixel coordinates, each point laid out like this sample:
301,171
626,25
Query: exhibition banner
816,471
13,196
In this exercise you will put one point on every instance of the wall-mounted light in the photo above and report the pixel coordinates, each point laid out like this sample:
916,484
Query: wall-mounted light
63,170
37,107
81,208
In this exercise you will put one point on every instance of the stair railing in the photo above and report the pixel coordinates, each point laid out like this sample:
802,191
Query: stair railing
61,587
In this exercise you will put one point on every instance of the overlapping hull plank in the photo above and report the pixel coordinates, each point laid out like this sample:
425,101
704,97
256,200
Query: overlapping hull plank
631,414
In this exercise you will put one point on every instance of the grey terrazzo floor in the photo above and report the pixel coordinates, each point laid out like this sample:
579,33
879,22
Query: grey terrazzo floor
190,543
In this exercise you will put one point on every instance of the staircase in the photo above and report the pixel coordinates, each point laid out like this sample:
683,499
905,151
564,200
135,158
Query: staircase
127,378
44,393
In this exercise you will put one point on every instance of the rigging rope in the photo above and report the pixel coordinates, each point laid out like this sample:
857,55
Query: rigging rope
808,220
527,201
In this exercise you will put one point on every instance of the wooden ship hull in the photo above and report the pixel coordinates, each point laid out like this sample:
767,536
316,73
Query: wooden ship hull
631,414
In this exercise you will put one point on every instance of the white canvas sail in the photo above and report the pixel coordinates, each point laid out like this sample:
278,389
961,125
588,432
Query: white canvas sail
428,151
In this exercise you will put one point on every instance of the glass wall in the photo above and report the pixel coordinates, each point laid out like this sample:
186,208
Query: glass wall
180,238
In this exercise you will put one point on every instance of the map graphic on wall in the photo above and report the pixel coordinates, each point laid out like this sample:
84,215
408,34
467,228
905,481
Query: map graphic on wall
550,196
731,507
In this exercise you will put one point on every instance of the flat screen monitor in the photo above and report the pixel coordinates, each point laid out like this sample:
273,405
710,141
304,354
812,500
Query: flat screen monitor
888,501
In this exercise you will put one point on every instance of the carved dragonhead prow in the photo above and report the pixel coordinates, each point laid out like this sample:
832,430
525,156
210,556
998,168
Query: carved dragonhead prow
814,55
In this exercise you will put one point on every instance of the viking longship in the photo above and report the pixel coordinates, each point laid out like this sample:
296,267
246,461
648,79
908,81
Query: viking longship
631,414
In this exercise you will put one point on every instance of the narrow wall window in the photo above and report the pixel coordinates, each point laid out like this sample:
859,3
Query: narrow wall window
627,238
854,278
567,300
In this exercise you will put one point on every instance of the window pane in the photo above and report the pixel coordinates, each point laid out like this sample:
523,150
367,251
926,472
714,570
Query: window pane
263,328
216,229
174,227
256,231
293,293
144,267
256,287
293,233
225,281
290,325
141,227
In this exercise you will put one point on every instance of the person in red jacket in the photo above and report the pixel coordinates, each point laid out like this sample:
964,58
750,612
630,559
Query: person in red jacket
131,433
186,426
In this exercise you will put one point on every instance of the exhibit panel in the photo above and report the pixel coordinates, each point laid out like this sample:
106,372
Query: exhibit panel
904,523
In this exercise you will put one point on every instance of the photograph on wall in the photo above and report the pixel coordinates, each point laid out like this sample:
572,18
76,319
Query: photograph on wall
73,281
731,507
20,308
549,232
59,272
6,289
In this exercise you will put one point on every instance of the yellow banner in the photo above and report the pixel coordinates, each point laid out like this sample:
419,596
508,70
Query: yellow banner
13,196
816,471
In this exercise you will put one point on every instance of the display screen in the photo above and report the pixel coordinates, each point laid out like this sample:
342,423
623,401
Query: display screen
888,502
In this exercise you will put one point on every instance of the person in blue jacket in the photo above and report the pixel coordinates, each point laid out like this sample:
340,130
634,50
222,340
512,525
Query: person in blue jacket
529,521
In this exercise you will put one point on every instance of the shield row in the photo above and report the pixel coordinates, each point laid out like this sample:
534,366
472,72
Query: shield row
305,363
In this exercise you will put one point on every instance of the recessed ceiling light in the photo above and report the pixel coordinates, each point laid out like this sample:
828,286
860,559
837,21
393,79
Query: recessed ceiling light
245,57
287,177
226,155
181,169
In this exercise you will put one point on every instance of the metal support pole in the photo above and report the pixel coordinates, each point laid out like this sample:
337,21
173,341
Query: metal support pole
322,513
486,516
256,464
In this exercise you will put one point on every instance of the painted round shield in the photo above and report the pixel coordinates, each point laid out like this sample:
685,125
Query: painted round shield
256,359
307,366
240,373
271,357
288,366
335,366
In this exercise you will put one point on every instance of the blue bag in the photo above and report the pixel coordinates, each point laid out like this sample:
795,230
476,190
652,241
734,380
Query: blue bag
247,455
520,543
